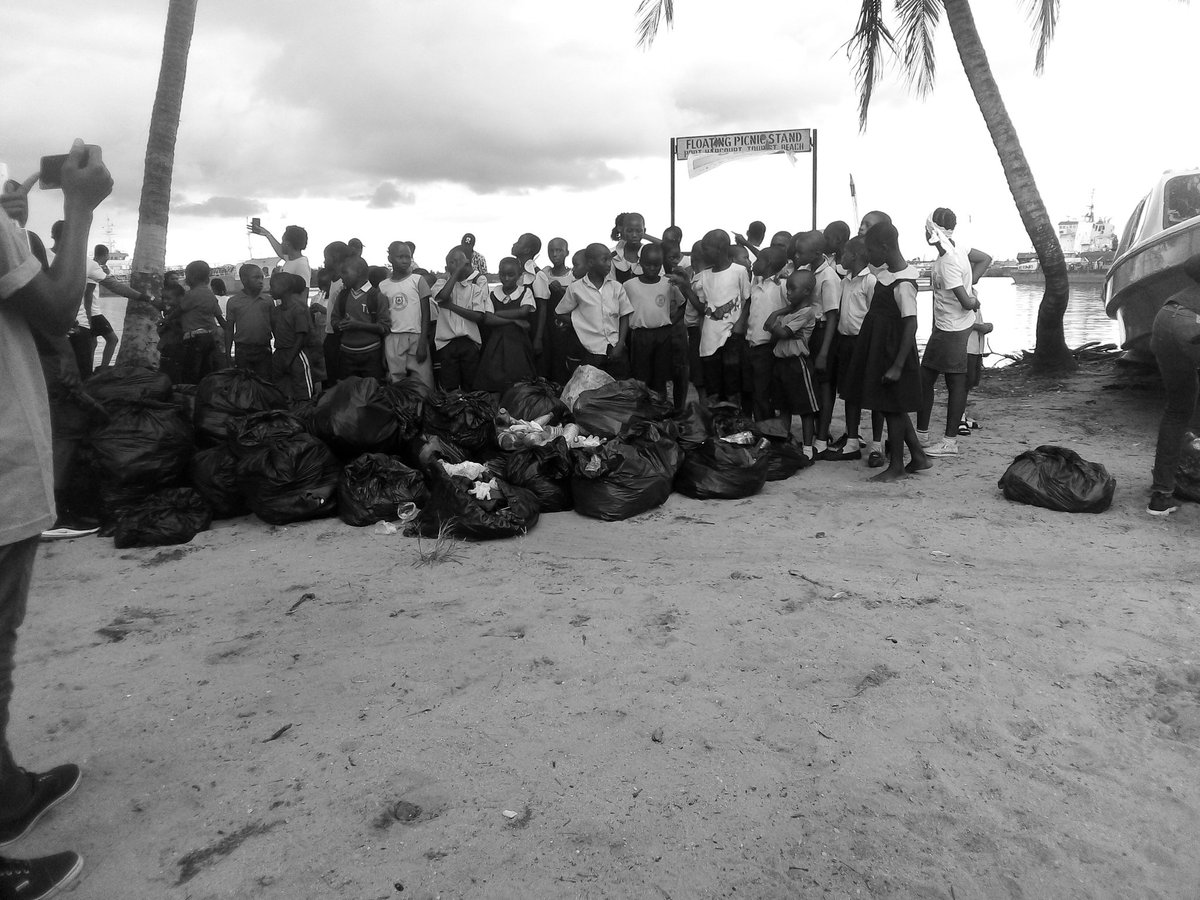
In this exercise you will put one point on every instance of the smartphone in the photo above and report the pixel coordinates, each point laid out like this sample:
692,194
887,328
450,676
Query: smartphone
50,175
256,223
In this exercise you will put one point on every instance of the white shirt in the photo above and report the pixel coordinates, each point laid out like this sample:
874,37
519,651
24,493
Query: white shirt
856,300
828,288
596,312
715,289
950,270
767,295
298,266
469,294
652,303
404,302
95,275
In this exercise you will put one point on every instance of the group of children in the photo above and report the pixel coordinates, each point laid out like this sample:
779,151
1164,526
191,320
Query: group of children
783,329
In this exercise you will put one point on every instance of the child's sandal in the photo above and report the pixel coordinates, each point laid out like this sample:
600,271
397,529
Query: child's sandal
875,460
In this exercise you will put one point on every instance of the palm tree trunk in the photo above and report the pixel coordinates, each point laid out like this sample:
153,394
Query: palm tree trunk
139,341
1050,352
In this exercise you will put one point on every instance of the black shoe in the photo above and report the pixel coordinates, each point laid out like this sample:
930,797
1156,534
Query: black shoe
49,789
1161,504
65,529
37,879
840,454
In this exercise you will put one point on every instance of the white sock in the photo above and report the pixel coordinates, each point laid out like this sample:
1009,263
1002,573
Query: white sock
808,451
820,446
852,444
922,436
873,447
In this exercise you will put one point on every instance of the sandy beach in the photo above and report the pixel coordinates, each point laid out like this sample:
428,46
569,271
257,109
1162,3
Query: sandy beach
833,689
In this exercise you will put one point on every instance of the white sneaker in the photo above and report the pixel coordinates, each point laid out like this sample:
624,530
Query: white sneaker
945,447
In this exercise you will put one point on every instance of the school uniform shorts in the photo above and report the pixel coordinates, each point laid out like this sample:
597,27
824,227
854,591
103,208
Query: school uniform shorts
946,352
794,386
457,361
253,357
295,381
650,351
400,350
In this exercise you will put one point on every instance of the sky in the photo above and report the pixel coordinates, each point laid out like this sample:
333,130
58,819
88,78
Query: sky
418,120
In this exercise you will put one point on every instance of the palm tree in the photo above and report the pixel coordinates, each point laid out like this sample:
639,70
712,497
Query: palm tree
139,341
918,19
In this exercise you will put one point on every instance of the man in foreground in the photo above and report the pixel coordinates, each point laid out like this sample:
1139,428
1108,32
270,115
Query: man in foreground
47,301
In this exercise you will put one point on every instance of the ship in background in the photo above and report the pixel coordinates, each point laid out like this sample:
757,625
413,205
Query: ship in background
1089,246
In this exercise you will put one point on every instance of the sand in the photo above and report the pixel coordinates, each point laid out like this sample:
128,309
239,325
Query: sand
833,689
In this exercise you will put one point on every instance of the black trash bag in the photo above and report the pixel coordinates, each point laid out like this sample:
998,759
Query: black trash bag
626,476
426,449
718,470
184,396
510,512
171,516
1187,476
529,400
355,416
374,485
289,479
785,452
1060,479
214,476
693,426
144,446
408,397
608,410
728,418
468,420
231,394
128,383
544,471
247,433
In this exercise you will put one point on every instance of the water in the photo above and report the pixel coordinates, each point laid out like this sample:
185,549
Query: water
1011,307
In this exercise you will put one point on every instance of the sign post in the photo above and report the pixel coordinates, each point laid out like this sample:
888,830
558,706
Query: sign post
705,152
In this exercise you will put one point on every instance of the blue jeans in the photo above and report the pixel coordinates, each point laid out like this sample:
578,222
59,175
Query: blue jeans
16,571
1174,343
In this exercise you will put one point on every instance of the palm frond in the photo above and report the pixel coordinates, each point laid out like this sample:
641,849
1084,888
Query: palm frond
651,14
1043,14
918,22
865,52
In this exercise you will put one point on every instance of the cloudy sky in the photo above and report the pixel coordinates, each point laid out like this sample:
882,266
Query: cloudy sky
419,120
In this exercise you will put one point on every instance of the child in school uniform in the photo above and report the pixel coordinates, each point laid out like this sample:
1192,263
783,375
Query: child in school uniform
507,355
626,255
655,301
681,279
360,315
405,346
290,325
693,317
458,343
721,292
792,329
552,282
768,294
598,309
884,374
857,288
809,252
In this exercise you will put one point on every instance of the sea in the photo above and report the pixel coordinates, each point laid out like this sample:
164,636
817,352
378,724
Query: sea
1012,308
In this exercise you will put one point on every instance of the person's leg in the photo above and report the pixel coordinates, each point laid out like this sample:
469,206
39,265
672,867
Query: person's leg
660,367
712,376
448,373
640,355
760,363
680,368
696,367
895,447
261,361
394,346
920,457
1178,358
85,350
956,402
468,363
332,349
928,383
110,347
16,573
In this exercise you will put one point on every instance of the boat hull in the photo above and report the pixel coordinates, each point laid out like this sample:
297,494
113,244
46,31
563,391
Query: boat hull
1143,278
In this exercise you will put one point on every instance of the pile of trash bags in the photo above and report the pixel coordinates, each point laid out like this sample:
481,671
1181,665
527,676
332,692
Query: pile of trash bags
170,461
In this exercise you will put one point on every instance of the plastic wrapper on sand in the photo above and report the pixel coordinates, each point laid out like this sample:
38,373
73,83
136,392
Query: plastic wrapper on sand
372,487
1060,479
171,516
627,475
289,479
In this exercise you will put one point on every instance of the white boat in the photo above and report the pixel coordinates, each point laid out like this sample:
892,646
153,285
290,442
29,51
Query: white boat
1162,233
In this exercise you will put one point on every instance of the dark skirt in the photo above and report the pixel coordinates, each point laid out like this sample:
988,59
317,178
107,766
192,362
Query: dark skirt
507,358
874,353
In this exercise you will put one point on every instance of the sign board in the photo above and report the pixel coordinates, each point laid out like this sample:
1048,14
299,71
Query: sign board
798,140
